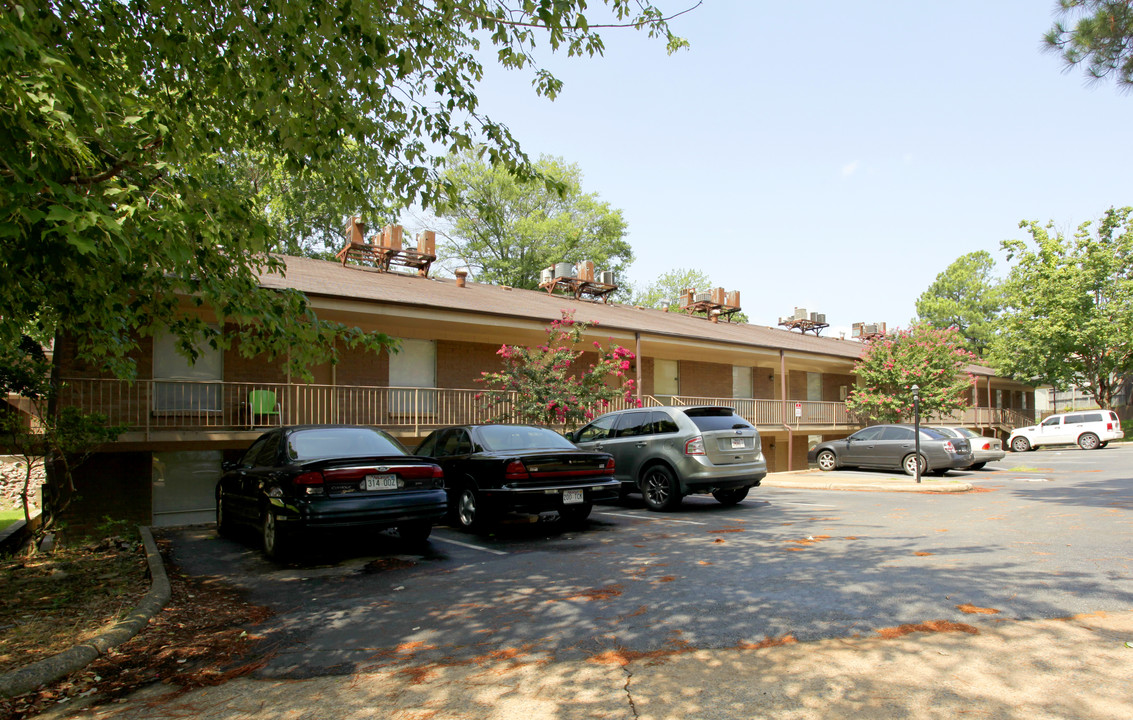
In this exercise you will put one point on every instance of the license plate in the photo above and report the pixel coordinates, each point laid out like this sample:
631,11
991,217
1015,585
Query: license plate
573,497
381,482
737,443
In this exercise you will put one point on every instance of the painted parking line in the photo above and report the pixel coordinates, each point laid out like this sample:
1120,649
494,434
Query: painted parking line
438,538
806,504
655,519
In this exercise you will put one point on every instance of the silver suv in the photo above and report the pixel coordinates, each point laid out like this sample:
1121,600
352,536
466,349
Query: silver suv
666,453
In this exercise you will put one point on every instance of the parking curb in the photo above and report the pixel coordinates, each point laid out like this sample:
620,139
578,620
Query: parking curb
810,480
48,670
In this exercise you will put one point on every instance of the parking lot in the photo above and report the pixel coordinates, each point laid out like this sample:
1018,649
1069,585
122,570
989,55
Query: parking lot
1044,534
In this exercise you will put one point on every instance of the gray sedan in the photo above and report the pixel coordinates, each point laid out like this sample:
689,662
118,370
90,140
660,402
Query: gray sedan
893,447
984,449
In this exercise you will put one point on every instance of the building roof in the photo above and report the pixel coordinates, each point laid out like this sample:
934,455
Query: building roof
323,278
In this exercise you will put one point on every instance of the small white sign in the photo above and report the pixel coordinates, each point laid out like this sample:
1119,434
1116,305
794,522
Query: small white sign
798,409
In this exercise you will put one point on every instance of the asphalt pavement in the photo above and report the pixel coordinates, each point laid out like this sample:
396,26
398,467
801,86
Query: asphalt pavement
977,664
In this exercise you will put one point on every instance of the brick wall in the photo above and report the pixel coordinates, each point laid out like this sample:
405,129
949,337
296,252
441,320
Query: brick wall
358,366
832,384
704,379
764,383
459,364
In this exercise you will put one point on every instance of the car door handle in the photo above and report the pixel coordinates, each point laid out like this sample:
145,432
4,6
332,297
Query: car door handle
600,446
639,444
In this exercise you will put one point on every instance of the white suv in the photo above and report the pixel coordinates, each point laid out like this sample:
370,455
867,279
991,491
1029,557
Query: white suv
1090,429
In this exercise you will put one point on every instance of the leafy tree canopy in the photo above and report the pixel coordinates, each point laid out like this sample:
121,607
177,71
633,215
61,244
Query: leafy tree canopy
668,287
966,297
1068,317
506,228
1098,33
934,360
129,128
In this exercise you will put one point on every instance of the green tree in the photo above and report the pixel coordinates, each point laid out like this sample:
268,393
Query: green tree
966,297
933,359
506,229
1098,33
65,439
668,287
120,188
547,385
1068,317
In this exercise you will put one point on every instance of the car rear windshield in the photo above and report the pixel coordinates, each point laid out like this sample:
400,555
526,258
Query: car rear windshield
318,443
504,438
716,418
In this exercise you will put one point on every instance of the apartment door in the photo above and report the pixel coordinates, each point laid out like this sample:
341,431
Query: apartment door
184,485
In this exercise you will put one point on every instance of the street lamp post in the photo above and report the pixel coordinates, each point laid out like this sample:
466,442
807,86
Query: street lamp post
917,428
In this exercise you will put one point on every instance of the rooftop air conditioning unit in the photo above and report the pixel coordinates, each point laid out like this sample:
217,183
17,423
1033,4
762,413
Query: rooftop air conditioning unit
870,329
702,297
606,277
547,275
564,270
800,314
817,317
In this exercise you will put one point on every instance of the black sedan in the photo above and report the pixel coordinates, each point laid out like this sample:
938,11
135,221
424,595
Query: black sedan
894,447
296,480
490,469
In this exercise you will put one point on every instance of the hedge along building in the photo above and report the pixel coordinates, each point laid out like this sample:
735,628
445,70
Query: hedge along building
184,419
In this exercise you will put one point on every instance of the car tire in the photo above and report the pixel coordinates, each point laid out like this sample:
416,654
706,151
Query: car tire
730,497
470,513
1104,443
414,533
1020,445
1089,441
908,464
223,524
575,514
274,539
660,489
977,466
827,461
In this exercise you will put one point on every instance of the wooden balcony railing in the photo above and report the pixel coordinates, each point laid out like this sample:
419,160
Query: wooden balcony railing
158,405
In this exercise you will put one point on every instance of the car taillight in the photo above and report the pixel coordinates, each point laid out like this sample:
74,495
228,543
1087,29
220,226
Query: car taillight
516,470
610,466
1109,426
948,447
310,483
438,477
987,446
695,446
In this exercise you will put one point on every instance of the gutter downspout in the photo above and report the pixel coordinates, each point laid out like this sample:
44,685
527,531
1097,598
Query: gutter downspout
783,410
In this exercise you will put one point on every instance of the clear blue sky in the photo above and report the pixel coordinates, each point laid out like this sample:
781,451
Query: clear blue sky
831,155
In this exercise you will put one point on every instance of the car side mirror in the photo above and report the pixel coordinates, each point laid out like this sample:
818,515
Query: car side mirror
228,465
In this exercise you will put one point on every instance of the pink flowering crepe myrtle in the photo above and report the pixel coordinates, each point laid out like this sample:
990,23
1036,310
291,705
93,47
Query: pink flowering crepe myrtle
548,385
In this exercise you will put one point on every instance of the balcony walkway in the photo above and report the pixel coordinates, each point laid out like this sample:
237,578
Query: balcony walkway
163,410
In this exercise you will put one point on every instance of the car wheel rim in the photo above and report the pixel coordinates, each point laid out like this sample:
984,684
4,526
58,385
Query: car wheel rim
911,465
1020,445
826,461
269,533
1089,442
467,511
657,488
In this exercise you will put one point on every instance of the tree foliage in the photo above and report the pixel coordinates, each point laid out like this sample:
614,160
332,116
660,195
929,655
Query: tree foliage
129,127
933,359
669,286
547,385
966,297
65,438
1068,316
1098,33
506,229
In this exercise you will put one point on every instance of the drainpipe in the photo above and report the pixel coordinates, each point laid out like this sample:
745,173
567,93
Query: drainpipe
783,411
637,353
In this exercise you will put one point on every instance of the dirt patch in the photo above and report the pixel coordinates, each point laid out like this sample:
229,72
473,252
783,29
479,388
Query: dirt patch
932,626
973,610
198,640
767,642
922,554
623,656
724,530
605,593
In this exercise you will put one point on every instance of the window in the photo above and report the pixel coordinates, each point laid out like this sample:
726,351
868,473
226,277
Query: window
635,423
869,433
413,366
709,419
184,385
741,382
896,433
455,442
662,423
814,387
598,430
1052,421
